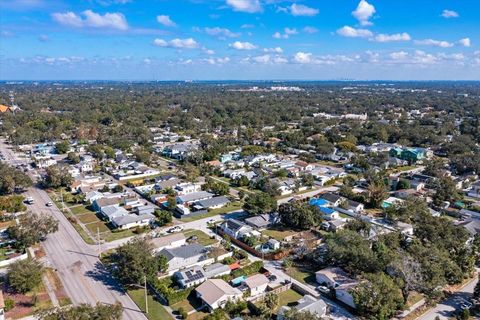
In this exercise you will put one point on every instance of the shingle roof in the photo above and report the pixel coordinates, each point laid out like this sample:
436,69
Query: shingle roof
256,280
330,197
195,196
167,240
184,252
214,289
215,201
131,218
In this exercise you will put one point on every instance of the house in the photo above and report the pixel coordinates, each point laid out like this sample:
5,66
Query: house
336,224
167,242
145,209
216,270
102,202
113,211
474,191
43,163
187,188
261,221
234,173
234,228
337,279
257,284
167,184
355,206
178,151
329,213
91,196
213,203
190,277
411,155
215,293
273,244
391,201
333,199
472,226
405,228
194,197
132,220
405,193
306,304
184,256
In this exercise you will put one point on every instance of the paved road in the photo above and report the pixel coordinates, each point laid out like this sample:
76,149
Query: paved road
447,308
83,276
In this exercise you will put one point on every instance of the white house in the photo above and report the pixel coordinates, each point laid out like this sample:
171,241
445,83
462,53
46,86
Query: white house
257,284
337,279
133,220
235,228
167,242
184,256
306,304
187,188
215,293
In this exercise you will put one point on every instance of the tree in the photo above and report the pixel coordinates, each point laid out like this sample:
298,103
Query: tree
307,179
73,157
445,190
434,167
260,203
171,202
62,147
25,275
235,308
376,194
403,184
271,300
83,312
12,178
163,217
58,176
32,228
135,260
299,215
162,264
378,297
242,181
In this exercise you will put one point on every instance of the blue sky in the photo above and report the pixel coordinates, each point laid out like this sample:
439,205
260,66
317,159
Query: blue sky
240,39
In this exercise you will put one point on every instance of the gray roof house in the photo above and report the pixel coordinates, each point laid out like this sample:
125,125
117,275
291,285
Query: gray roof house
185,256
190,277
213,203
260,221
216,270
235,228
133,220
113,211
194,196
307,303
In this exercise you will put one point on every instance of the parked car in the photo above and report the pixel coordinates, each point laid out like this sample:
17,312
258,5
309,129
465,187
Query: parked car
175,229
323,289
49,204
272,277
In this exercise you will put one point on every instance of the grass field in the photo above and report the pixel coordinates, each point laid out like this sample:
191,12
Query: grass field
80,210
288,298
301,274
155,309
278,234
203,238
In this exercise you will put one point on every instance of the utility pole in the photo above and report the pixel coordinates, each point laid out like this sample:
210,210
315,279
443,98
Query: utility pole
98,242
146,296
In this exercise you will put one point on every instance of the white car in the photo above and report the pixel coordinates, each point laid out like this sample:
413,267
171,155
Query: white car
175,229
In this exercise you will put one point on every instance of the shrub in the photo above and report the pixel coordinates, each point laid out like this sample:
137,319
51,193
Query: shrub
9,304
183,313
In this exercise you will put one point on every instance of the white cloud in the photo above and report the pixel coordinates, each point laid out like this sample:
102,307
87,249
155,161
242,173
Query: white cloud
302,10
68,19
302,57
221,32
347,31
399,55
465,42
392,37
92,19
147,61
279,60
188,43
243,45
108,20
217,60
262,59
364,12
449,14
287,33
166,21
249,6
310,30
434,43
275,50
247,26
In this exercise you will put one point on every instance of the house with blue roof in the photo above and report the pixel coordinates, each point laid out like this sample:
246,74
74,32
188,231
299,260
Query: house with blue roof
322,204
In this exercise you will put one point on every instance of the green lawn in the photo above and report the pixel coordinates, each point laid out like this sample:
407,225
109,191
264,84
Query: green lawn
302,275
80,210
278,233
155,310
233,206
87,218
203,238
112,236
98,226
288,298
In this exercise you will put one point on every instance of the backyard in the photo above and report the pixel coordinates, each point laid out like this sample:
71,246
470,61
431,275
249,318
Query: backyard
202,238
233,206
